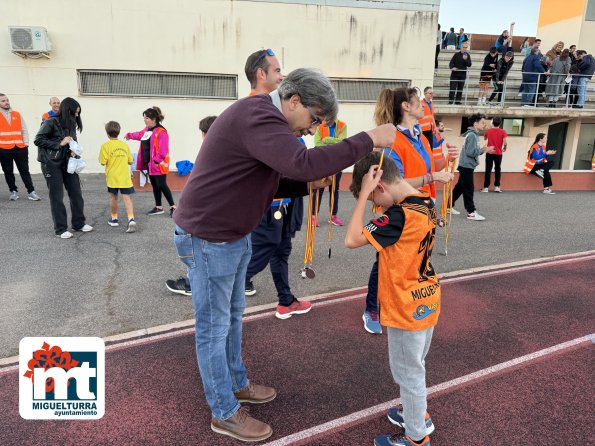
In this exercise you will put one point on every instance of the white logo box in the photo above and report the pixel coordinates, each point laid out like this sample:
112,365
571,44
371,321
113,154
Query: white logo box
87,400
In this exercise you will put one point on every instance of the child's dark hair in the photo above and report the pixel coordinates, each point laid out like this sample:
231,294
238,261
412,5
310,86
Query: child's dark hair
475,117
205,123
155,114
390,171
112,129
497,121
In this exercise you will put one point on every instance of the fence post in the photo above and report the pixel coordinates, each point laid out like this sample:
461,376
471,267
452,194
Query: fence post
537,90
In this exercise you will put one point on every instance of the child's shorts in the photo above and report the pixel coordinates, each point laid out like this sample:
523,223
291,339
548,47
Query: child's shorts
122,190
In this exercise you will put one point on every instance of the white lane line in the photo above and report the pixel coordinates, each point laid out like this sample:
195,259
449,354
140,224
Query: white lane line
371,412
185,327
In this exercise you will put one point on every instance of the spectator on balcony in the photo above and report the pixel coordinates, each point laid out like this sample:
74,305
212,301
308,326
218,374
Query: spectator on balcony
572,54
504,42
551,55
488,71
451,40
571,88
555,83
502,68
438,45
525,48
462,38
531,69
458,65
586,66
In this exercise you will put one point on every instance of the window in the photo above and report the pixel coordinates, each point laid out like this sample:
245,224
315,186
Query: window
590,11
364,90
513,126
162,84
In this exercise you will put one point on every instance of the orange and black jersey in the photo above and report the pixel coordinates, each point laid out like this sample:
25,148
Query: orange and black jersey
408,286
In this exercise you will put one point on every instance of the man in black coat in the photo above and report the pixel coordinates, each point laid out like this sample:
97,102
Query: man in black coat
458,65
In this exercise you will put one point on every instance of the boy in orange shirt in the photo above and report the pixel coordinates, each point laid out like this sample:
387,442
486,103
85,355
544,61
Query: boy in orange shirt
408,287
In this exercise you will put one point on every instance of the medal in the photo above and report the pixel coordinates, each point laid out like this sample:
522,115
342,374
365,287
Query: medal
277,215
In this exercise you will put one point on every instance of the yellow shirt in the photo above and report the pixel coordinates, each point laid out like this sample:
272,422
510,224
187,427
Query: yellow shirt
116,157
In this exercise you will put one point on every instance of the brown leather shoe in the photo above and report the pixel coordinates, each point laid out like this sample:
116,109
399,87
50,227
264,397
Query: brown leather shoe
242,426
256,394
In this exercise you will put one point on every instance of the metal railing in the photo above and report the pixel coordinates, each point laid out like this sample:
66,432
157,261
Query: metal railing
549,90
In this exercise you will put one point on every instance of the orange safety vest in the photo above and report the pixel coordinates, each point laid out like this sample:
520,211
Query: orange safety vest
437,151
11,135
325,131
413,163
427,122
163,165
530,163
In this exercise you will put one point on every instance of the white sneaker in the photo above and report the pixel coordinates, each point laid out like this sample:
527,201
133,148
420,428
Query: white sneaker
497,189
13,196
86,228
65,234
475,216
33,196
548,191
455,212
485,189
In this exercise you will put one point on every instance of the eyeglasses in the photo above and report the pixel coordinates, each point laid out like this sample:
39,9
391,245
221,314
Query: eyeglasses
315,119
267,52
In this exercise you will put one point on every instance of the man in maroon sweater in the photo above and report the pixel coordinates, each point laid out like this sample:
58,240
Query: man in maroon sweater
251,154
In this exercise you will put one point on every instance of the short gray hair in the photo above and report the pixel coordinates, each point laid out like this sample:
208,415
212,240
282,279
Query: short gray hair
314,90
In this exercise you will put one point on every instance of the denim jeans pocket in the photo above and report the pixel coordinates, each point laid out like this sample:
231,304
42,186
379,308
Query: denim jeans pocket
222,259
184,247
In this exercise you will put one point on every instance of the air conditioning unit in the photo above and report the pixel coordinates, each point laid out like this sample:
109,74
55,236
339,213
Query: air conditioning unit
29,39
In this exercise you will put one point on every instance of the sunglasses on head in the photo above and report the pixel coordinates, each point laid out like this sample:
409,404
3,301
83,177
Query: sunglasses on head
267,52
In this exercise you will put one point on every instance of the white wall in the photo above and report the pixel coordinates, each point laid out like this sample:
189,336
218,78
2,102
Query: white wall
205,36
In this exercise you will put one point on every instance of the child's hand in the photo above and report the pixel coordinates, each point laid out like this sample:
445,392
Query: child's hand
370,180
551,152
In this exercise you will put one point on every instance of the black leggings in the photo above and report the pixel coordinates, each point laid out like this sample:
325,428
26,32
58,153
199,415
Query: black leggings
496,161
543,171
159,183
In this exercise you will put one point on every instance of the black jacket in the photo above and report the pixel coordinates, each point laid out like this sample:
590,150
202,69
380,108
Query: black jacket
48,140
502,69
461,64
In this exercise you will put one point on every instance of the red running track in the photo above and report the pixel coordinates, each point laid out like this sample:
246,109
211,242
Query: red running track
325,367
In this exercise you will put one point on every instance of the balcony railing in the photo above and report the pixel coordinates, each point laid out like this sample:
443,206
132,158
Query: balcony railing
513,92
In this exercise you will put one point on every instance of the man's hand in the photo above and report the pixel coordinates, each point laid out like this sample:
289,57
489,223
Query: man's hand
370,181
442,176
488,149
321,184
383,135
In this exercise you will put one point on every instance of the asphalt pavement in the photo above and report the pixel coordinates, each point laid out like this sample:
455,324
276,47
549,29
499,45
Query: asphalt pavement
108,282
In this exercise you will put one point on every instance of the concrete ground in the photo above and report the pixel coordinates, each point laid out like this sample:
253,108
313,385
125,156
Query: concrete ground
108,282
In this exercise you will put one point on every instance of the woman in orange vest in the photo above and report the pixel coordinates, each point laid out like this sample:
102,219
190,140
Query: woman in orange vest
53,141
537,163
153,156
413,156
427,122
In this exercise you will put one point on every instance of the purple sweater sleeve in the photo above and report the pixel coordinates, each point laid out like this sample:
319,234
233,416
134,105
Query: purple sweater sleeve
272,144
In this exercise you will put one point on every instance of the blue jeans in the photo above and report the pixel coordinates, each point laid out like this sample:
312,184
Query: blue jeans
529,89
217,273
271,244
582,90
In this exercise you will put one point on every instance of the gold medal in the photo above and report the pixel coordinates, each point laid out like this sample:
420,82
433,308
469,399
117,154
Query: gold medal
278,215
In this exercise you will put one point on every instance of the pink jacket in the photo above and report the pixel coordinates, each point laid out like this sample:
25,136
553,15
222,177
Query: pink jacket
162,142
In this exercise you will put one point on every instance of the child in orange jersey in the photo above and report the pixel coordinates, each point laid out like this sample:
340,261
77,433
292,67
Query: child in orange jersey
408,291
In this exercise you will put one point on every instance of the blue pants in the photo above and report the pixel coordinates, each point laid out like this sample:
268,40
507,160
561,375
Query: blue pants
271,244
372,296
217,274
529,91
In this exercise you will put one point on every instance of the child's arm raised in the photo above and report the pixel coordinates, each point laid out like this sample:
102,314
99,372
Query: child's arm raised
354,237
